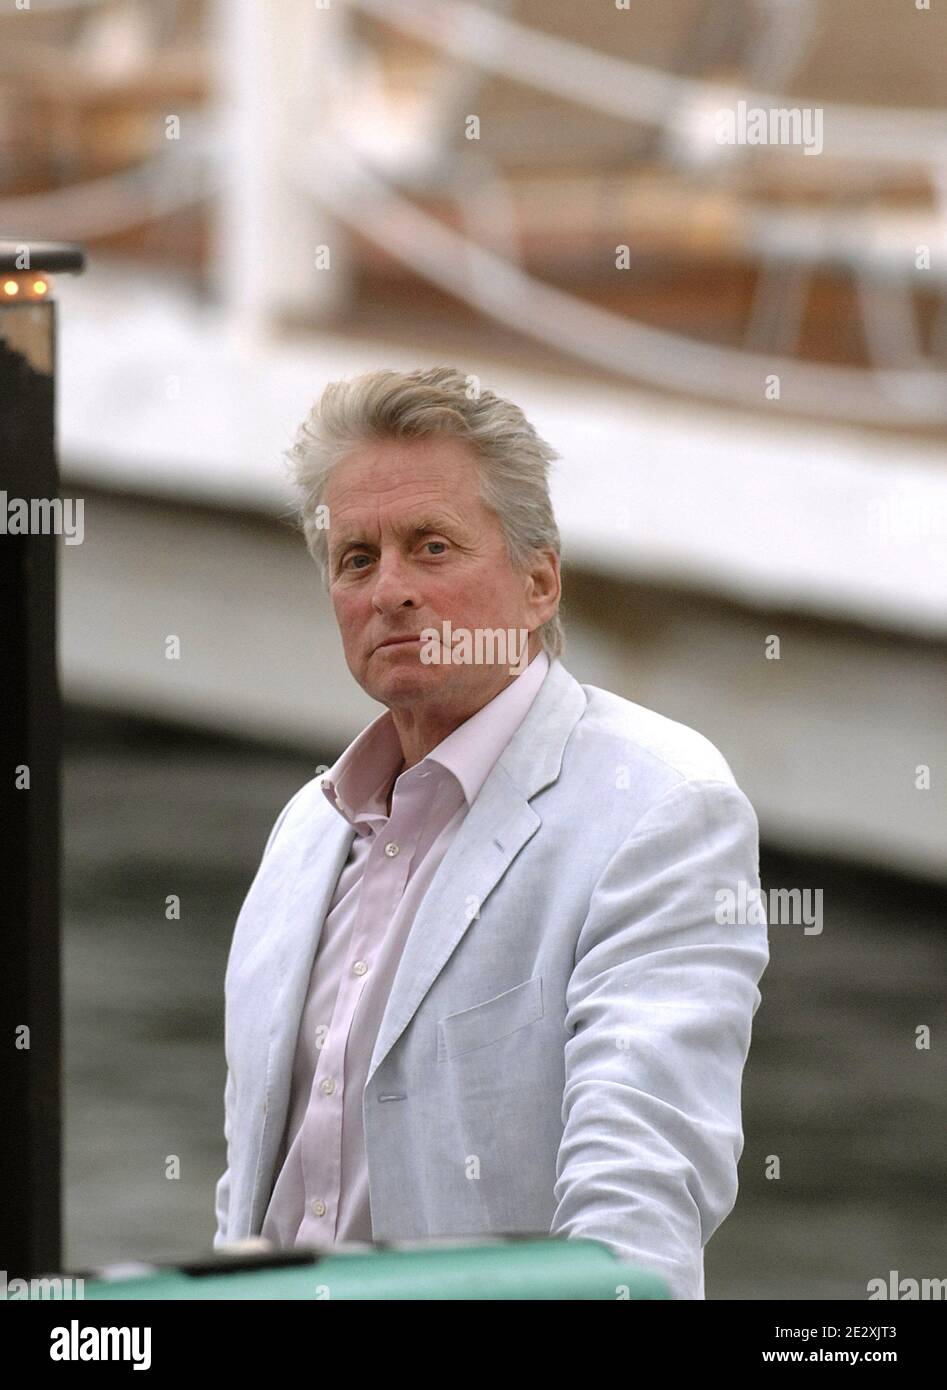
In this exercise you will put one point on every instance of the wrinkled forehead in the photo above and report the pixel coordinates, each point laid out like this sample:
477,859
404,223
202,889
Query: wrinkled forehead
406,491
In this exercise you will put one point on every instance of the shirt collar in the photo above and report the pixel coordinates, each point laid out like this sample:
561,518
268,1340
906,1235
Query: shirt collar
357,784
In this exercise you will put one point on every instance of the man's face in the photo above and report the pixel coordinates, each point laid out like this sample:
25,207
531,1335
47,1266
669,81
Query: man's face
411,546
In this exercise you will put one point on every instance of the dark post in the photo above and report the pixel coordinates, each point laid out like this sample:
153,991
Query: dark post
30,1041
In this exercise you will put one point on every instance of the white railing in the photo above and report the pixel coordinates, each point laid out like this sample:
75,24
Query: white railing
340,176
633,92
338,180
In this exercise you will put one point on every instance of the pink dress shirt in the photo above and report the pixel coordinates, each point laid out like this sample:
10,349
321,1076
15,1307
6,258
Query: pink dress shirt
321,1194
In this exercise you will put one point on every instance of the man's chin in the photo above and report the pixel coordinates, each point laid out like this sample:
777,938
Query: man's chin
402,676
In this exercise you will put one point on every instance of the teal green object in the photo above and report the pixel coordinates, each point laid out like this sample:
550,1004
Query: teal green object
518,1269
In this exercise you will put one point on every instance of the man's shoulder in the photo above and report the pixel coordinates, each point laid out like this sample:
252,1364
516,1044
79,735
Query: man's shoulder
645,745
628,768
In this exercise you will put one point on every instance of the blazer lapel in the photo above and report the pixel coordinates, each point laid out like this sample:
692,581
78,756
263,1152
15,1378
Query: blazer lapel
494,831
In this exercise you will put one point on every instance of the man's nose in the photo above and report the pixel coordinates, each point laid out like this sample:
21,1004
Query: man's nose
394,587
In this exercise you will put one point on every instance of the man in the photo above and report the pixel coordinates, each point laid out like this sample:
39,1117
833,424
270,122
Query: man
480,982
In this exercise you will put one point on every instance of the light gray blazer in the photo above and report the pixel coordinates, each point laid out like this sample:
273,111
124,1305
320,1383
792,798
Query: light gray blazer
563,1047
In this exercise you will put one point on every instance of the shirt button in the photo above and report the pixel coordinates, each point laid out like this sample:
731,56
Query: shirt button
328,1086
360,967
318,1207
391,849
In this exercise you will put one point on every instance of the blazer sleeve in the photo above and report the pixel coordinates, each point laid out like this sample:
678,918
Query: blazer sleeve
659,1008
222,1190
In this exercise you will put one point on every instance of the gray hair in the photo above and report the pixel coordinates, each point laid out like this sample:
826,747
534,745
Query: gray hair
514,460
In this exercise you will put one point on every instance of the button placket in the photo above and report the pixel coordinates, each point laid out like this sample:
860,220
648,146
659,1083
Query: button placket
396,838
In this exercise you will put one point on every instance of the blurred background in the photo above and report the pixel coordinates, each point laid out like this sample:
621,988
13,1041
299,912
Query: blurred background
740,351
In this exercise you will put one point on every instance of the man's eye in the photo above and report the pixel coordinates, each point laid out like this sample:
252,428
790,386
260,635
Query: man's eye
361,555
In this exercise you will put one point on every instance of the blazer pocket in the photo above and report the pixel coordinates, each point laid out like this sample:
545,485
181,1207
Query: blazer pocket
493,1019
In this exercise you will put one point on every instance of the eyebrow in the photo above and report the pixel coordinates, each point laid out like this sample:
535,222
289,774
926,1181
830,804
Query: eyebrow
420,528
